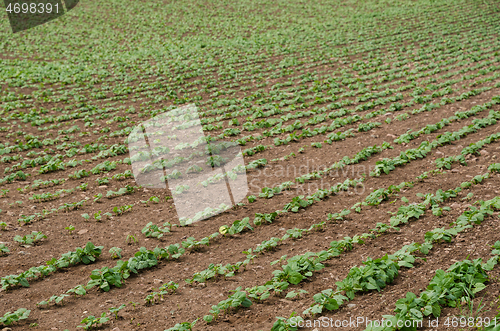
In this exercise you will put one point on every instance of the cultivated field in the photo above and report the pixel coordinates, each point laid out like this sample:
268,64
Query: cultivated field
370,139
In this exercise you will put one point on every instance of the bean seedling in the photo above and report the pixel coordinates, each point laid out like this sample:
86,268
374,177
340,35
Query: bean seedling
131,239
115,311
30,239
92,321
83,187
70,229
4,249
153,230
115,252
134,303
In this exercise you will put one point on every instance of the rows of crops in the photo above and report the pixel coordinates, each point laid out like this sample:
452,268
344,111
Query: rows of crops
369,143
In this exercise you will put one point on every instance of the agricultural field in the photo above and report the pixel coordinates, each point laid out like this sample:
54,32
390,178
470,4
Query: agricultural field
369,183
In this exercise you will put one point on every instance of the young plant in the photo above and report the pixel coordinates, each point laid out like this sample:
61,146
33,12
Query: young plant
238,299
154,199
115,252
131,239
122,209
469,196
70,229
293,294
134,304
170,287
115,311
98,197
30,239
3,249
83,187
103,181
153,230
184,326
92,321
20,314
98,216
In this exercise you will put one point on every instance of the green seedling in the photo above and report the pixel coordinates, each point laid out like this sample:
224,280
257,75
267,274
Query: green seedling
97,197
317,227
122,209
83,187
70,229
153,230
131,239
3,249
134,304
3,225
469,196
115,252
20,314
466,185
30,239
115,311
293,294
56,299
285,324
171,287
103,181
92,321
184,326
86,216
77,290
168,288
238,299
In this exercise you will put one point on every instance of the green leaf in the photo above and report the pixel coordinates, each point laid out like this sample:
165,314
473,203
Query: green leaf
295,277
